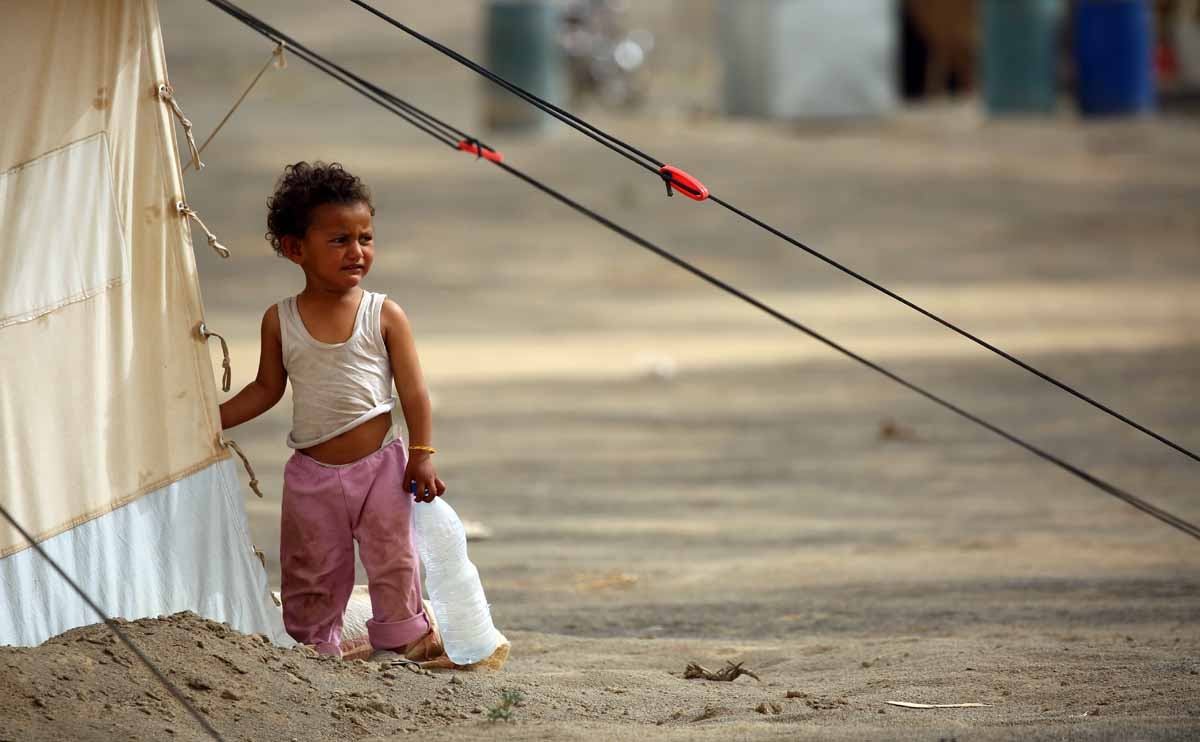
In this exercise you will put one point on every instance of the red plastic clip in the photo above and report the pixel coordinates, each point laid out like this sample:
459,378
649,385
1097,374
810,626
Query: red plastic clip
484,152
682,182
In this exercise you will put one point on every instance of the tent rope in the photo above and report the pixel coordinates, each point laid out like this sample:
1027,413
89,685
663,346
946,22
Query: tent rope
384,99
431,125
167,93
641,159
114,627
279,61
262,558
227,376
227,443
189,212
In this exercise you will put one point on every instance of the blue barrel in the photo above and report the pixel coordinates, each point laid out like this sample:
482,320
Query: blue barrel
1020,55
522,47
1114,49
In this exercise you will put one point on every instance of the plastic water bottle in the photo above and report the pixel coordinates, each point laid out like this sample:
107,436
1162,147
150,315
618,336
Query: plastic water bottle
461,609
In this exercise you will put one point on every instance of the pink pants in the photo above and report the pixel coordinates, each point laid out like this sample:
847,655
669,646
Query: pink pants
325,510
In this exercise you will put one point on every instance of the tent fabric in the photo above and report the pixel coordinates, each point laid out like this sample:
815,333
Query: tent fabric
107,395
90,248
106,389
130,563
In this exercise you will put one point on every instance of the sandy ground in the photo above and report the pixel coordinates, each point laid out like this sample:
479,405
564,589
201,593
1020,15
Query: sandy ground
672,477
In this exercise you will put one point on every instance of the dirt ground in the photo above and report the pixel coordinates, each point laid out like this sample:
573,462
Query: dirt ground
672,477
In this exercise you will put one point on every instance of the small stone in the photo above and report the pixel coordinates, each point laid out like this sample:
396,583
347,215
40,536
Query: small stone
455,680
230,695
195,682
335,714
478,710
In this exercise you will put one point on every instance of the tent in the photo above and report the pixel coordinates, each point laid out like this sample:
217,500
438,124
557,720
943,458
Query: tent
110,445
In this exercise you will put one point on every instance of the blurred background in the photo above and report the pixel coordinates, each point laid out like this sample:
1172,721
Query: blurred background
655,458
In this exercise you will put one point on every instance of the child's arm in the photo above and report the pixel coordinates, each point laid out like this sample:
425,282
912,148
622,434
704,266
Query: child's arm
261,394
414,400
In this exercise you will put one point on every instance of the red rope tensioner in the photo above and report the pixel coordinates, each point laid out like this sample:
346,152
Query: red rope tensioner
682,182
480,150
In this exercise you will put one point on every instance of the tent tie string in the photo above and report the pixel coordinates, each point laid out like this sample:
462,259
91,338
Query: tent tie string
262,557
227,376
167,94
279,61
189,212
227,443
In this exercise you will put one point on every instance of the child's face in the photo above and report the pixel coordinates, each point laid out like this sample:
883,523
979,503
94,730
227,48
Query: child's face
338,248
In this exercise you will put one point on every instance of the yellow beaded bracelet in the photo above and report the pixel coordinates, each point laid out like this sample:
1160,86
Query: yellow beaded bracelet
427,449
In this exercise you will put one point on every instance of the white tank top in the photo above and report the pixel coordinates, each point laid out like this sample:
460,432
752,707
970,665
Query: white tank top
335,386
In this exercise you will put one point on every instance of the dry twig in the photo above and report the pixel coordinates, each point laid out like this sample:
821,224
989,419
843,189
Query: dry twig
729,673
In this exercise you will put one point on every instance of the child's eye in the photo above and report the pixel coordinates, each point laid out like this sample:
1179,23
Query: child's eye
365,239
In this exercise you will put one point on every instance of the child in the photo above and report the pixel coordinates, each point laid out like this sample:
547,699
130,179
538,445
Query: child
348,480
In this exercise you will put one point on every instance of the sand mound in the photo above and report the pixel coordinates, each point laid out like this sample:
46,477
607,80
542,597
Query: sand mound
86,685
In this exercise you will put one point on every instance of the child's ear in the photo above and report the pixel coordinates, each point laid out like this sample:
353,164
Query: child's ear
292,248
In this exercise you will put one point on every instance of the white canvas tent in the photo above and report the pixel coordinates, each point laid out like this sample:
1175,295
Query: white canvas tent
110,449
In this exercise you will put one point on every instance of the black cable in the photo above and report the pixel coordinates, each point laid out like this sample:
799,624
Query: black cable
1135,501
631,153
595,133
950,325
112,625
424,121
428,123
1131,499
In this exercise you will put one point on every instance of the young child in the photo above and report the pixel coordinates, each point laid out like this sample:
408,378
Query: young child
348,480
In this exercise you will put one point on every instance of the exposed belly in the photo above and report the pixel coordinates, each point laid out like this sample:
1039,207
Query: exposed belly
354,444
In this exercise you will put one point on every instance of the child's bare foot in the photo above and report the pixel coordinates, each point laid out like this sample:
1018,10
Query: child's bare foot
388,656
494,662
426,648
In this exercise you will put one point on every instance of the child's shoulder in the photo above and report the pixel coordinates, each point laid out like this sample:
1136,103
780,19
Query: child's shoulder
270,319
272,311
392,319
390,311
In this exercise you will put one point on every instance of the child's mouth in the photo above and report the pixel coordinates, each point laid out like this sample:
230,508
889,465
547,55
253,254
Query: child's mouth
354,268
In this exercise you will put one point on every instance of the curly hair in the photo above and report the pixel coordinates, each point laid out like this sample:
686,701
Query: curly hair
302,188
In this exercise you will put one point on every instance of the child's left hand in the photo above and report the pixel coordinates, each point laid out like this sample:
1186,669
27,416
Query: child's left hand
420,472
